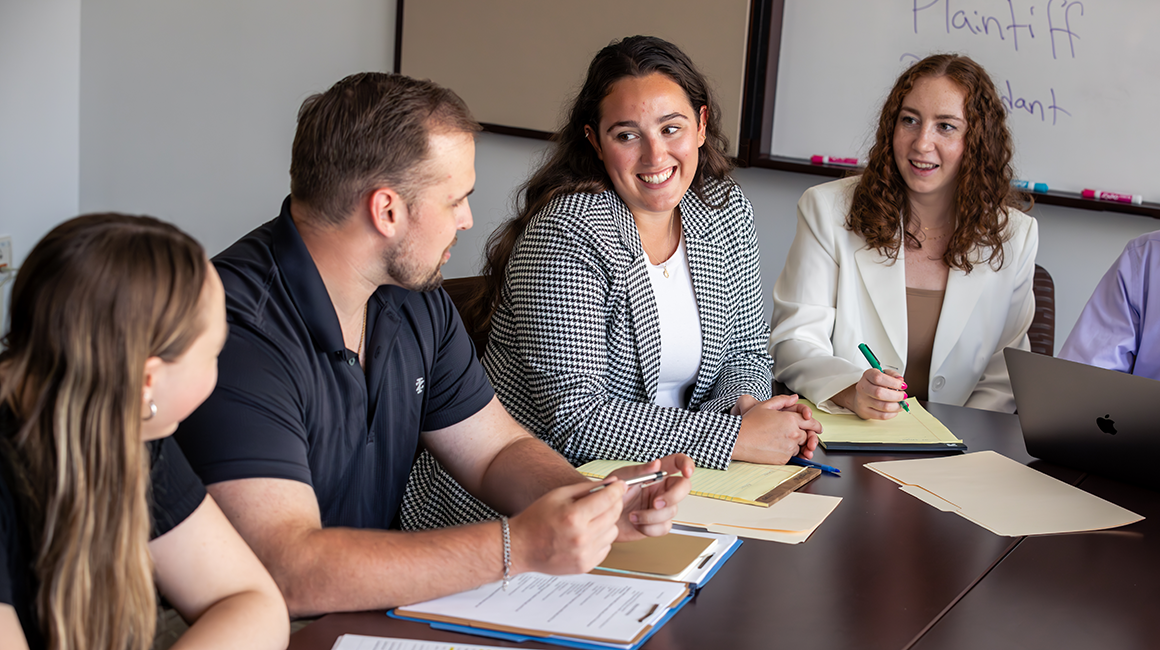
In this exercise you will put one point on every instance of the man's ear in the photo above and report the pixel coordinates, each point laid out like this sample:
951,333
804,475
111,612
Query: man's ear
388,210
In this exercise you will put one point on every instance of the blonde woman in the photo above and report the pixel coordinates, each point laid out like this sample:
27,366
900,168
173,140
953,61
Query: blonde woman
117,322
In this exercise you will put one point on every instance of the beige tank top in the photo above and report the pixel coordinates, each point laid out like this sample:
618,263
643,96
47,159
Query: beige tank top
923,307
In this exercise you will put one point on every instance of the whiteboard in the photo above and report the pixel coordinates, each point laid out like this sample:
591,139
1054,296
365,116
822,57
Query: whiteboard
1080,78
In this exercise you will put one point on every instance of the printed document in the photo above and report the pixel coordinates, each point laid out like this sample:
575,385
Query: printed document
612,609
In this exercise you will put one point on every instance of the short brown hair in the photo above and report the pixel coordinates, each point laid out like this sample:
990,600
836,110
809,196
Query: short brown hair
983,193
368,131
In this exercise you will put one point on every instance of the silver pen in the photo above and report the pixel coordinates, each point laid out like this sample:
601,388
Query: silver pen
647,478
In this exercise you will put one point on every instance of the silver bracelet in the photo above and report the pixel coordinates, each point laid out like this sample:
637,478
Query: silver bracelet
507,551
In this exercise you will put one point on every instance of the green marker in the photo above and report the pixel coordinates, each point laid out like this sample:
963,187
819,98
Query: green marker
877,366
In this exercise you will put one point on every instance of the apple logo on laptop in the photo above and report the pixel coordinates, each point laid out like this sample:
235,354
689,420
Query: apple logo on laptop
1107,424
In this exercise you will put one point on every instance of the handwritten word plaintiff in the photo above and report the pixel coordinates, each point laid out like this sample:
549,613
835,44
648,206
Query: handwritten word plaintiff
1003,20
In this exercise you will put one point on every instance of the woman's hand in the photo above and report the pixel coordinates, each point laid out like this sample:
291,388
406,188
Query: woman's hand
876,396
774,430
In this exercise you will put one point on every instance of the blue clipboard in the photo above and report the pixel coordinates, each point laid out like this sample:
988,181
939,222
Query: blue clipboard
717,567
554,640
570,642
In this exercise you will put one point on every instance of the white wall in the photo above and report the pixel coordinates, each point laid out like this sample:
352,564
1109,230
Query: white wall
186,111
188,108
39,119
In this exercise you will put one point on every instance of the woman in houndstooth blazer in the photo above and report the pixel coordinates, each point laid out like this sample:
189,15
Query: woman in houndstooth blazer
625,298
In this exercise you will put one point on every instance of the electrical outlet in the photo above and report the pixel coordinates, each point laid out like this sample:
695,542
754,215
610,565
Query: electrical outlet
5,251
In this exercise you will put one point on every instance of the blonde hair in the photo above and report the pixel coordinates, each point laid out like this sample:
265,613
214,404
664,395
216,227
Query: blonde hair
97,297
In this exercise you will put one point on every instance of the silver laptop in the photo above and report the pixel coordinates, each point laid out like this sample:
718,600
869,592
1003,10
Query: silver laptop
1103,421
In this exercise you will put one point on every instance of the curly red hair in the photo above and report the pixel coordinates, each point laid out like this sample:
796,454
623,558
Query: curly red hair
983,194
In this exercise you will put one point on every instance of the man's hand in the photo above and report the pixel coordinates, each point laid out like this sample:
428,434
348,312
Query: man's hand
649,510
568,530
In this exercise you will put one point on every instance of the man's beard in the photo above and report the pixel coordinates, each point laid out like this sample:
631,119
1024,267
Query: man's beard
404,269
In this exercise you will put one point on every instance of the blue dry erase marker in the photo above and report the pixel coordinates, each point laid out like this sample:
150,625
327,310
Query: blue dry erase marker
798,460
877,366
1030,185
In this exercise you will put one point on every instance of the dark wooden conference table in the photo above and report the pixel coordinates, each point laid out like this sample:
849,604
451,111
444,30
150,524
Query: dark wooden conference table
886,571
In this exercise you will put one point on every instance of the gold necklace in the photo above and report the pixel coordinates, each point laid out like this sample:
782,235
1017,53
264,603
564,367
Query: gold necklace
665,264
926,232
362,335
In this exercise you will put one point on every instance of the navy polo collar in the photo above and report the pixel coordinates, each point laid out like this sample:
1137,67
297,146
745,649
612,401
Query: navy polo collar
305,285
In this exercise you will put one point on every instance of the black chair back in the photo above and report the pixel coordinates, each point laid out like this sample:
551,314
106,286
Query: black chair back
1042,330
460,290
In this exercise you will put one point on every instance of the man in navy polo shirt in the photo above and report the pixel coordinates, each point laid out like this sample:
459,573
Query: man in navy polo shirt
344,356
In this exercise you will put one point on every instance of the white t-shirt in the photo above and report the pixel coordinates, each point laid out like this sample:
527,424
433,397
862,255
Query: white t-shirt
680,327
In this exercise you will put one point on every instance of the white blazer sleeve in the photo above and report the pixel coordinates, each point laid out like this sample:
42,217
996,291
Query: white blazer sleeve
993,392
805,302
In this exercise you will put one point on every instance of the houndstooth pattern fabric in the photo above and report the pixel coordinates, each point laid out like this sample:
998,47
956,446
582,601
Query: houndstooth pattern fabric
574,352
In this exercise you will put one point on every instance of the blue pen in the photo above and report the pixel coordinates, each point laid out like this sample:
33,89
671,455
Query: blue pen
873,360
798,460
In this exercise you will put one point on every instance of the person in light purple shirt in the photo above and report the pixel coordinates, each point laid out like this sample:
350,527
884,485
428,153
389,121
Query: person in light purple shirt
1119,328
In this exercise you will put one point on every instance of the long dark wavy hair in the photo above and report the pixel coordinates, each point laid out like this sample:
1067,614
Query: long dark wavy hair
572,165
983,193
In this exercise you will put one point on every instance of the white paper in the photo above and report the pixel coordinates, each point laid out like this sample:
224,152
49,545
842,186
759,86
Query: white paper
611,608
1004,496
357,642
789,521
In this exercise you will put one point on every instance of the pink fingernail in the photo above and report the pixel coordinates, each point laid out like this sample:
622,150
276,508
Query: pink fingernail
634,519
903,385
660,503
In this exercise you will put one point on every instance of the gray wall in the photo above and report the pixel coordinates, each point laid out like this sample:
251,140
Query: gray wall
39,119
186,111
188,108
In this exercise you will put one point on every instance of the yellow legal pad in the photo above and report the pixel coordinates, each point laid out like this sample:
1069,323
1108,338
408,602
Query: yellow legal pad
914,431
758,485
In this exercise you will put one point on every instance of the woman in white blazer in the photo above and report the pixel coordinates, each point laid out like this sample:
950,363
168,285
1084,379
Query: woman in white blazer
924,257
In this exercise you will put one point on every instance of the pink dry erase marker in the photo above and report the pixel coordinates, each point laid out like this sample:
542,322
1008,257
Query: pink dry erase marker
1134,199
830,160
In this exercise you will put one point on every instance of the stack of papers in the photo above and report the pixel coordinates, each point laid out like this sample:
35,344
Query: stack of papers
1002,495
914,431
789,521
601,611
750,483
